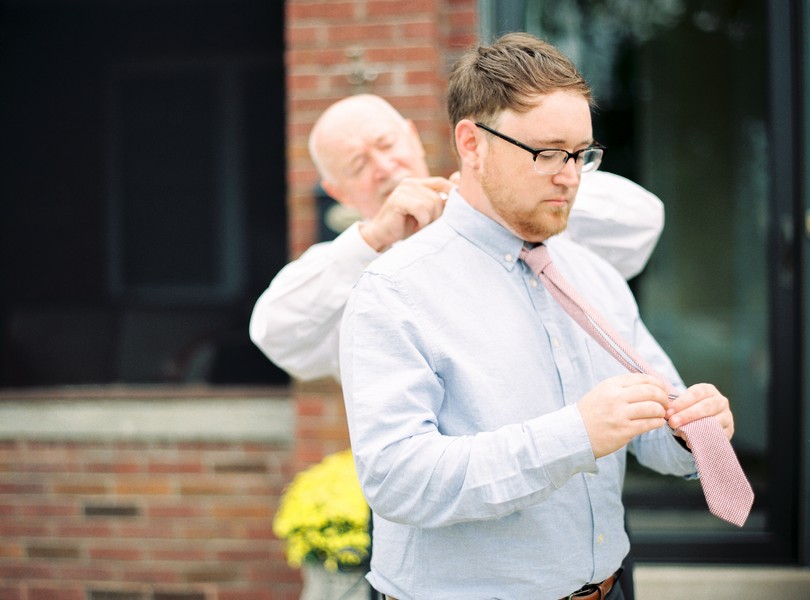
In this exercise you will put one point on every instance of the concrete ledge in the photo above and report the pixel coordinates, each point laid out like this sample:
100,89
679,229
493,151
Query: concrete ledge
226,419
678,582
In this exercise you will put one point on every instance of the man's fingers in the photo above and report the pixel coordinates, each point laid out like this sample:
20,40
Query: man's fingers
646,410
423,216
642,426
637,387
700,400
438,184
646,393
425,212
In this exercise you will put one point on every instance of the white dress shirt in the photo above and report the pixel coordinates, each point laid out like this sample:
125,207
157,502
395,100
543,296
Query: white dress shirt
461,377
295,322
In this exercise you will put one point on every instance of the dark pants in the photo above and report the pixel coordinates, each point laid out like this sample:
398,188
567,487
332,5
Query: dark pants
616,593
626,580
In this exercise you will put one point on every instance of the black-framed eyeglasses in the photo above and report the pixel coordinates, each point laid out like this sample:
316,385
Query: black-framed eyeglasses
550,161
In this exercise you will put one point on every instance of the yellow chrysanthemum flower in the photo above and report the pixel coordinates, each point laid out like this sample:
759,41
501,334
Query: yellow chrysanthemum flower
323,515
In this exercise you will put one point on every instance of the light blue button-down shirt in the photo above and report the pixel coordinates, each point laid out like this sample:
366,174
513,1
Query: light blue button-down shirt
461,377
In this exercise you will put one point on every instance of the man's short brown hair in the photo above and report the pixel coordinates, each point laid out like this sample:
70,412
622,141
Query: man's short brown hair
507,75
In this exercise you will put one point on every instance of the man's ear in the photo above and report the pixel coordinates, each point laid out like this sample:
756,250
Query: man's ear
468,144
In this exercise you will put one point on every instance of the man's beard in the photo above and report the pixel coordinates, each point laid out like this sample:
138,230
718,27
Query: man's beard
534,224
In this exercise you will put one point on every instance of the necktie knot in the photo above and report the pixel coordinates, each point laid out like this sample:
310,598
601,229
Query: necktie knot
537,258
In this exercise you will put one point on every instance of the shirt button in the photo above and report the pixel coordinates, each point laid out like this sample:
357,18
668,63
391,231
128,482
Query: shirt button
600,539
555,342
509,258
533,283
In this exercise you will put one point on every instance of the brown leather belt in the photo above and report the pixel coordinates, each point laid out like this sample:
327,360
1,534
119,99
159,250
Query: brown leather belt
592,591
595,591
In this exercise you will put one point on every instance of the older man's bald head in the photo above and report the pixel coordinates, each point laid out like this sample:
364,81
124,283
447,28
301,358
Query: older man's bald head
341,117
362,148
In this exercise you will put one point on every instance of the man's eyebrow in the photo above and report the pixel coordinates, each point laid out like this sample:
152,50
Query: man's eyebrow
360,154
386,135
353,160
354,152
354,166
556,142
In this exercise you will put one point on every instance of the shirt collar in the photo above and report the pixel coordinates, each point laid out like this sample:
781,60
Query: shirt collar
481,231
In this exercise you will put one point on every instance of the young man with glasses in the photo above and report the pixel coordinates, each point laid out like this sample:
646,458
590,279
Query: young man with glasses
490,431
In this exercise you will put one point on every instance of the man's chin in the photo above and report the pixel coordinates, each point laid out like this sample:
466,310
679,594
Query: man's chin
537,232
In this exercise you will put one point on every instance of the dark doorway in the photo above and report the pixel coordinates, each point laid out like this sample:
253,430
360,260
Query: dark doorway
143,189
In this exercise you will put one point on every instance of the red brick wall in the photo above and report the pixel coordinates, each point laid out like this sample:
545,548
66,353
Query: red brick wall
320,426
407,48
142,521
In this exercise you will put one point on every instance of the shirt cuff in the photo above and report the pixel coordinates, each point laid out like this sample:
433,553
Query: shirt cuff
684,454
563,445
352,245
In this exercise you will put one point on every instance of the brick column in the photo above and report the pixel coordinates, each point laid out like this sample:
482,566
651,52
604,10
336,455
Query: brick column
321,427
399,50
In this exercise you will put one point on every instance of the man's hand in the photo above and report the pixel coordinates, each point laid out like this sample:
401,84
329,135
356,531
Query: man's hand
620,408
413,204
701,400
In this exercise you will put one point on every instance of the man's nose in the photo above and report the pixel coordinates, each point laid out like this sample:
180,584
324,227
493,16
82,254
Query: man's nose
569,175
383,164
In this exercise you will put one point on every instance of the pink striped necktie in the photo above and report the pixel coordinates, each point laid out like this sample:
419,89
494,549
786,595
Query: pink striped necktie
727,491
